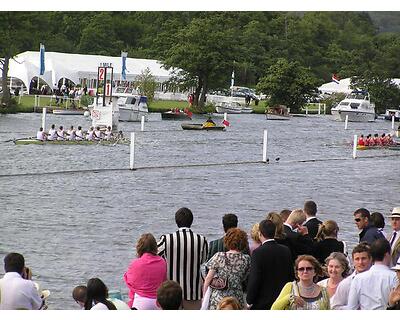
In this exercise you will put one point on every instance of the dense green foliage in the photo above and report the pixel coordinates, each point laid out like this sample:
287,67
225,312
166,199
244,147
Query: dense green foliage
209,45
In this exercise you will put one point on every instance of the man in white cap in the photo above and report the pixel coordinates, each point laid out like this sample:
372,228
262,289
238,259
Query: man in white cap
394,237
394,296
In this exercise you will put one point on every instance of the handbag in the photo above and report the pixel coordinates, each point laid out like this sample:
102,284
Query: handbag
218,282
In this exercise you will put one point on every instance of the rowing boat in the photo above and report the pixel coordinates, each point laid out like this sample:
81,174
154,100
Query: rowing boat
390,147
199,126
26,141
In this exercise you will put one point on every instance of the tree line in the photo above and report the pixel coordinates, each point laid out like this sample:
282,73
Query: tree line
285,55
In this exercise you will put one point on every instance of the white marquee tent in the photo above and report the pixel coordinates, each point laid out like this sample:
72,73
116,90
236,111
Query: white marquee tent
343,86
77,67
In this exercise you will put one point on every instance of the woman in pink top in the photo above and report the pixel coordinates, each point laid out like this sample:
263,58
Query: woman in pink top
145,274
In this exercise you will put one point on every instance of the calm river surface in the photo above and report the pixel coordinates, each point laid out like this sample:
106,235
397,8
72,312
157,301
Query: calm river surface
74,226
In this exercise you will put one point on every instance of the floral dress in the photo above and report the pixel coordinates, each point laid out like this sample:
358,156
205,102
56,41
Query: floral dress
235,268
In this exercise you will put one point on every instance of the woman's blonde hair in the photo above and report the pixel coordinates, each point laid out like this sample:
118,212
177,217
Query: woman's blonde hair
327,229
254,233
231,302
278,222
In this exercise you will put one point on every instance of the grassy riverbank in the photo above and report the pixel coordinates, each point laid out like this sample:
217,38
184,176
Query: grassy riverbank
27,102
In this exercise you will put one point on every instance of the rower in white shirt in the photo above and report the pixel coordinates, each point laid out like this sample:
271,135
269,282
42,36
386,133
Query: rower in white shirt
41,135
98,135
52,135
79,134
108,133
71,133
90,134
60,133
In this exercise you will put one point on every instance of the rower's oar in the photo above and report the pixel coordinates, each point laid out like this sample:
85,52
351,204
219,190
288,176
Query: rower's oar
115,143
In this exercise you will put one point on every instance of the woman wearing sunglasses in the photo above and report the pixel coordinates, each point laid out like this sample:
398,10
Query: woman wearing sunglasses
303,293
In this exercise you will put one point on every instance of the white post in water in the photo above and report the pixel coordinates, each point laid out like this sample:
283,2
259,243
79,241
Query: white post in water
307,110
393,122
355,146
265,146
324,108
142,124
225,116
319,108
346,122
132,151
44,119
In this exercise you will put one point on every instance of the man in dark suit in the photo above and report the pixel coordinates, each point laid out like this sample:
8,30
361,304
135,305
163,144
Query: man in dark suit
299,241
312,223
229,221
271,268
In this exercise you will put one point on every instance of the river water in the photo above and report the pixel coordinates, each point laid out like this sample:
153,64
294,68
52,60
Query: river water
75,224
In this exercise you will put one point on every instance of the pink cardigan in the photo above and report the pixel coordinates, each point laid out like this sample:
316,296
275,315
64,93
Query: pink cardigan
144,276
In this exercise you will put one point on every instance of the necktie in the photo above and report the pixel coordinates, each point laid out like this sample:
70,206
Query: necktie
393,237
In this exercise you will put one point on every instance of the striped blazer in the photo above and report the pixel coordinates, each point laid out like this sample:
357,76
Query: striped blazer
184,252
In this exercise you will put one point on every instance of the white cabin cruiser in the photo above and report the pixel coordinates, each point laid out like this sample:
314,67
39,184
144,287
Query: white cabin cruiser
132,106
357,106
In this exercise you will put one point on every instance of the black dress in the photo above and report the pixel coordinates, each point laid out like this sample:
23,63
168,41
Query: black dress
324,248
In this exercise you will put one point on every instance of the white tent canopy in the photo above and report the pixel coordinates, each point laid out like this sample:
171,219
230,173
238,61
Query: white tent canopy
343,86
76,67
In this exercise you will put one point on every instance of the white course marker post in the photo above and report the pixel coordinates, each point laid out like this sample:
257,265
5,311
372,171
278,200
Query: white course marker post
44,118
346,122
307,110
319,108
142,124
225,116
393,122
355,147
265,146
324,109
132,151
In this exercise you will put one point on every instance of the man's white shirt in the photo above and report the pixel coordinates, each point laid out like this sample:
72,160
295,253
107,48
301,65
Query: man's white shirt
18,293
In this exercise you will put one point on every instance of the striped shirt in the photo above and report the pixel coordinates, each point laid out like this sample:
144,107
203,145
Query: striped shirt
184,252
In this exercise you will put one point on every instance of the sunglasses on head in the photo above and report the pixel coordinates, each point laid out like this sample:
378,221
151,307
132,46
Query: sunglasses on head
302,269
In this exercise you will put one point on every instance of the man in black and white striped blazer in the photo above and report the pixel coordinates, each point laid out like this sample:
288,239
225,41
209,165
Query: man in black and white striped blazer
184,252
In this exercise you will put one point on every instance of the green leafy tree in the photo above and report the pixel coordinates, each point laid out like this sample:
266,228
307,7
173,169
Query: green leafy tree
288,83
147,84
205,49
19,33
383,91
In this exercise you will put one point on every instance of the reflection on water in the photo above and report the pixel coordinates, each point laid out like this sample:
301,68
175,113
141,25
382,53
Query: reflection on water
71,227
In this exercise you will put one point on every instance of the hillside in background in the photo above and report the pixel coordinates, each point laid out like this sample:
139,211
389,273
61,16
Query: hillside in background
386,21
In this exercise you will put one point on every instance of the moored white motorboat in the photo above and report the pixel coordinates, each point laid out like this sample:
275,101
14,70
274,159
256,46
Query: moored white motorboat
132,106
232,107
357,106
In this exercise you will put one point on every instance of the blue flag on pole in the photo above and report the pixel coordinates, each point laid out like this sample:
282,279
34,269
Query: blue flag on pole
123,71
42,67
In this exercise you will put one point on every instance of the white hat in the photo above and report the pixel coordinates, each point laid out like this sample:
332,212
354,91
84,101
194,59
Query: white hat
397,266
395,213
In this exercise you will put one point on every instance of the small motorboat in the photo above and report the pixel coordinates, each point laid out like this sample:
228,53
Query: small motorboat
232,107
199,126
278,112
176,114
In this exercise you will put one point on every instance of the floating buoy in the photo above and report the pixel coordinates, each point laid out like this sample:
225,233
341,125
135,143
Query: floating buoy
86,114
